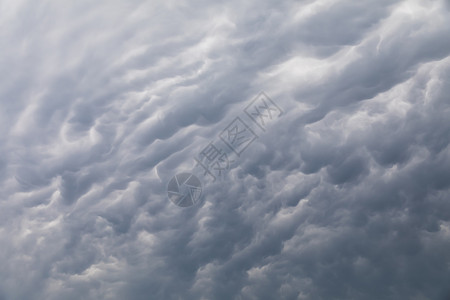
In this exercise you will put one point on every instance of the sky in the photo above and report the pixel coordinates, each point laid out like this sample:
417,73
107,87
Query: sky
345,194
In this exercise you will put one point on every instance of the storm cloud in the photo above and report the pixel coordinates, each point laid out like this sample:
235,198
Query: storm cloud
345,196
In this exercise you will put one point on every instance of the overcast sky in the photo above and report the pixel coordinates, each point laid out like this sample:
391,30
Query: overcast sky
346,195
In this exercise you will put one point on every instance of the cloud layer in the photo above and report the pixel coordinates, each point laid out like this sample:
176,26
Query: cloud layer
345,196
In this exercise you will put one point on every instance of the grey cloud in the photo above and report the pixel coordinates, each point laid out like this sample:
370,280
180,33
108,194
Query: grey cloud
343,197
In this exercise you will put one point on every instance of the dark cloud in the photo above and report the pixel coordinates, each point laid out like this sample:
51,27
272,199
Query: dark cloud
345,196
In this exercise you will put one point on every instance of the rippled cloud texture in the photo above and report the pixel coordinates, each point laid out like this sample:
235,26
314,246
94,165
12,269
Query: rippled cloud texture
344,197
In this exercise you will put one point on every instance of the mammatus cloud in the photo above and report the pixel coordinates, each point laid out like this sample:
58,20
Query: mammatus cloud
346,196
